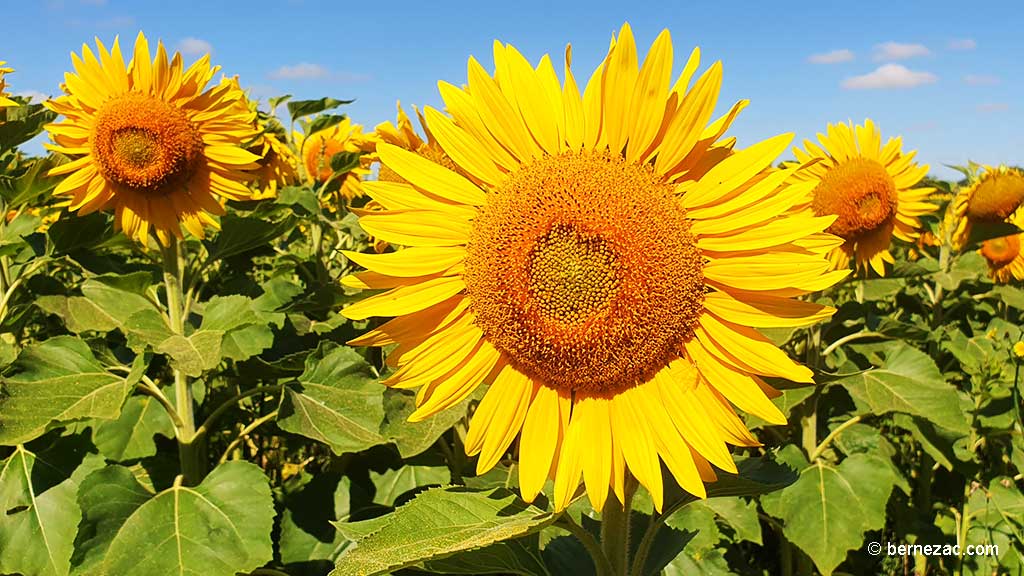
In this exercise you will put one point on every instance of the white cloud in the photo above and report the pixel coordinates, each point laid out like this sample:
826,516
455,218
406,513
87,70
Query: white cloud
963,44
307,71
993,107
833,57
898,51
981,80
889,76
301,71
194,46
33,95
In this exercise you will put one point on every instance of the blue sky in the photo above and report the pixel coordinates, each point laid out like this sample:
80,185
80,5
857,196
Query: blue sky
945,75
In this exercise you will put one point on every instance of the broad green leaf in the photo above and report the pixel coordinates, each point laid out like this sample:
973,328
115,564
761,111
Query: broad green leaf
393,483
337,401
343,162
703,563
829,508
300,108
12,233
106,303
240,234
70,235
1011,295
194,354
57,381
413,438
130,436
997,517
38,514
309,543
439,523
324,122
218,528
518,556
908,382
739,514
107,498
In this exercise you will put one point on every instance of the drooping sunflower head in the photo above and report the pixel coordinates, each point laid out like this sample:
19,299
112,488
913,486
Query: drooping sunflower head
602,261
151,140
870,189
278,165
994,196
318,148
5,102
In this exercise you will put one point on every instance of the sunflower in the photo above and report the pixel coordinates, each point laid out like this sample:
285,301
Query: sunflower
4,101
994,196
318,148
869,187
151,141
603,268
403,134
278,165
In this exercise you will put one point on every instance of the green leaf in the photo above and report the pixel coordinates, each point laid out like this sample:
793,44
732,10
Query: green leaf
997,517
239,234
107,498
337,401
58,381
324,122
309,544
343,162
130,436
393,483
301,108
439,523
908,382
12,234
413,438
195,353
829,508
218,528
76,233
106,303
739,514
38,513
518,556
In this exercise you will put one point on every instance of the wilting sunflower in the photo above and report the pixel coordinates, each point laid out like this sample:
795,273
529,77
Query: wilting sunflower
870,188
4,101
994,196
318,149
278,165
151,141
606,276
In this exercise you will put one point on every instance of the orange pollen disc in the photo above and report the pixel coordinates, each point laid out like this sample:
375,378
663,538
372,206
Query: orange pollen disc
996,197
582,270
1001,251
145,144
861,192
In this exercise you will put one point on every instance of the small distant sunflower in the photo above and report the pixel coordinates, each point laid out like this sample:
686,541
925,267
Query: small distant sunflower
278,165
870,188
404,135
318,149
4,101
151,141
992,197
604,267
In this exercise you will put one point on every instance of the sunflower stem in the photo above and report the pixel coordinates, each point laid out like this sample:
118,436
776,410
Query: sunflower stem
188,453
615,526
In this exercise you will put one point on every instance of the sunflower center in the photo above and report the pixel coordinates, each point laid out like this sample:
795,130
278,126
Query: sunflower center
997,197
1001,251
861,193
583,271
145,143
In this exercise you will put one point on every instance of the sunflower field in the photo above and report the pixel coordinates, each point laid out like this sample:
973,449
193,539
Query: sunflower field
566,325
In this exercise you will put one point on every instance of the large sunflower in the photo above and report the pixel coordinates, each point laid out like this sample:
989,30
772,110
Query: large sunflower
318,148
994,196
4,101
403,134
151,141
604,266
870,187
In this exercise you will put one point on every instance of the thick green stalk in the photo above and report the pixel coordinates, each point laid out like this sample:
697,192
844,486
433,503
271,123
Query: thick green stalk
189,456
615,528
